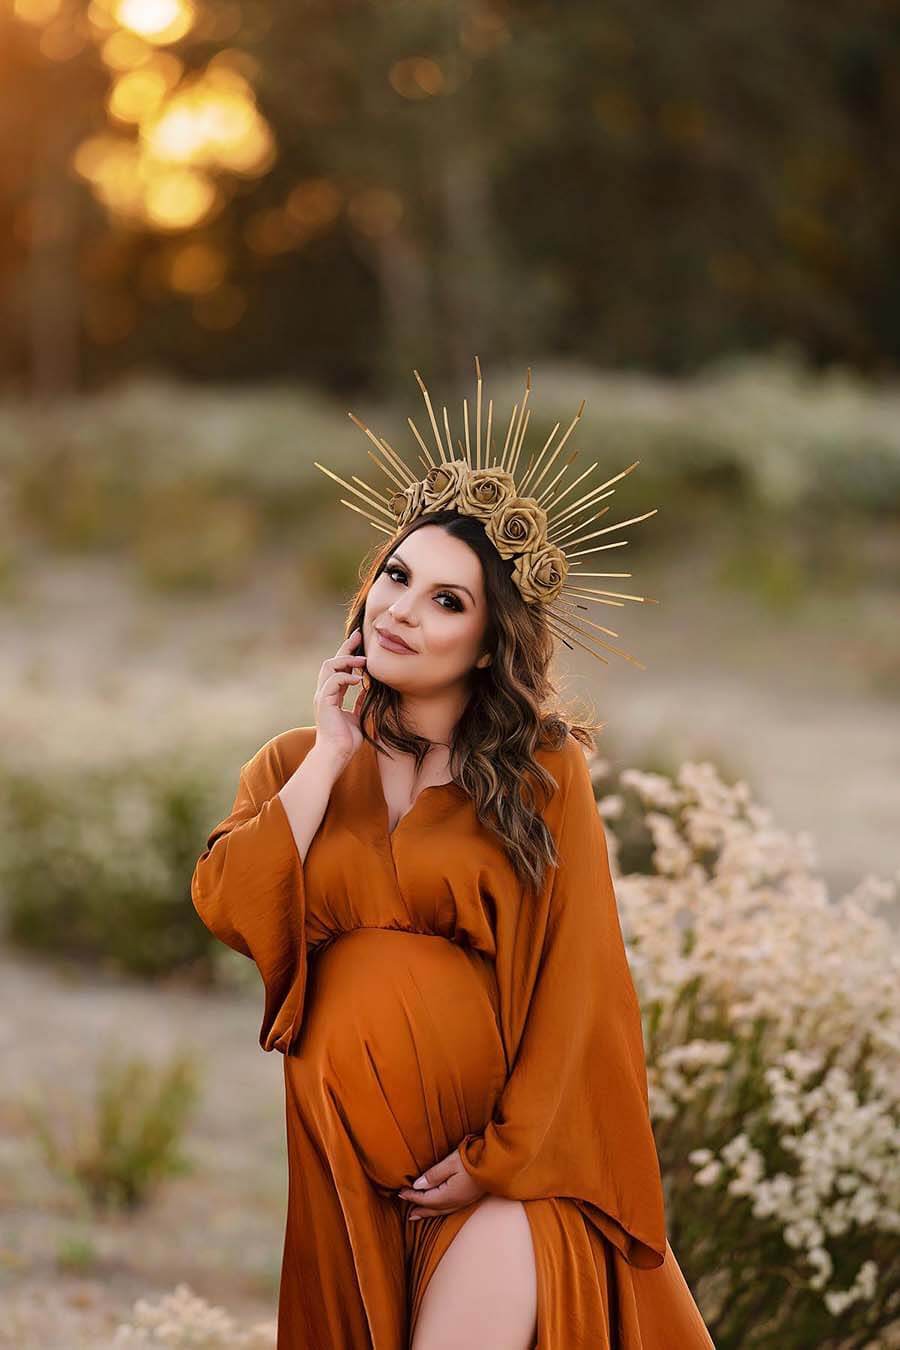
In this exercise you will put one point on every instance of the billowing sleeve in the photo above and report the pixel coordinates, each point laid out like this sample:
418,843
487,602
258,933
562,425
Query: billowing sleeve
248,888
573,1118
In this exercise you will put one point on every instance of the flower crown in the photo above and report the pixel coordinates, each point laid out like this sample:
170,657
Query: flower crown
534,530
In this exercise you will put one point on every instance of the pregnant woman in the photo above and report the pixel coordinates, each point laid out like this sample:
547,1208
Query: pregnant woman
424,886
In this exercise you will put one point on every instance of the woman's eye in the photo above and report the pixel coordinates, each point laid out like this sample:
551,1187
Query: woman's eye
456,603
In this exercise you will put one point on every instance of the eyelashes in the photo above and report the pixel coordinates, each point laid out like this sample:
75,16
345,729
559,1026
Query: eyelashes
456,605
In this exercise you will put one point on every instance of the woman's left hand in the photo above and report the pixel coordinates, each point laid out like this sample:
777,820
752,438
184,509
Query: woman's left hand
448,1187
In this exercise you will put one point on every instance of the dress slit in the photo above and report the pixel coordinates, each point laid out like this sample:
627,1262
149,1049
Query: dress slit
570,1309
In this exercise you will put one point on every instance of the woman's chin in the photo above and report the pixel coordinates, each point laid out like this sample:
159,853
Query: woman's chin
382,671
394,679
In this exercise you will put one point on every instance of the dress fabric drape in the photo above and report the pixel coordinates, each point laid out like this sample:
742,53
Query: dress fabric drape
422,1003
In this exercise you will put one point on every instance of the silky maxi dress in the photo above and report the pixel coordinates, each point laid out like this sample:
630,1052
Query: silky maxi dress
423,1004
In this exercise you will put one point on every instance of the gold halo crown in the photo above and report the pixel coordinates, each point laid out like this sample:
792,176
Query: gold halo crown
539,531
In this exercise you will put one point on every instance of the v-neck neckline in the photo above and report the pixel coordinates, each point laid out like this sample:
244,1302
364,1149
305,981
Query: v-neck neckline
382,798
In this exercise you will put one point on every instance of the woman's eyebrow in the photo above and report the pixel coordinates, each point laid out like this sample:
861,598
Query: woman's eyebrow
454,584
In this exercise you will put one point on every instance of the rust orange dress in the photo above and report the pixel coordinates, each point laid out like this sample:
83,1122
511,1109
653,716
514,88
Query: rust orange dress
421,1005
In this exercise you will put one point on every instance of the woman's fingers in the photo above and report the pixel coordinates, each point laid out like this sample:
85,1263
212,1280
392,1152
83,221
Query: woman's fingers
335,685
345,656
449,1187
346,647
343,662
439,1201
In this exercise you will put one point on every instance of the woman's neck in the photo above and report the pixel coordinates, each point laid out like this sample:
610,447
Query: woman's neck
435,719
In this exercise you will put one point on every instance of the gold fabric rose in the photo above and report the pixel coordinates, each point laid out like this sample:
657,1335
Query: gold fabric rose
482,491
540,575
442,484
407,502
519,525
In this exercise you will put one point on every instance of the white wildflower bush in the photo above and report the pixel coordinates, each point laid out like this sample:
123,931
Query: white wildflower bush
773,1047
183,1321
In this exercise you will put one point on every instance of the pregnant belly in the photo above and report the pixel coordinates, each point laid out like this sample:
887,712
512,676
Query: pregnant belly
401,1049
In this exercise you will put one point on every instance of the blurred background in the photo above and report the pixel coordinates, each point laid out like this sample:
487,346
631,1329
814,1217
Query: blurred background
224,226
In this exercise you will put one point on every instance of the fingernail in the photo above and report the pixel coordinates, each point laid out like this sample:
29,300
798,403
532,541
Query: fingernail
420,1184
414,1218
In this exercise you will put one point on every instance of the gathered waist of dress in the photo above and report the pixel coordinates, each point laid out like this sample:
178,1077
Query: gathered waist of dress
406,948
394,928
318,936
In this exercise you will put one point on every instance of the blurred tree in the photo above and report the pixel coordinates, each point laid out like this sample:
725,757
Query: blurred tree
341,189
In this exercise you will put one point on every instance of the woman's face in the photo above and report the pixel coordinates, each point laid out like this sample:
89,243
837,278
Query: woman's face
431,594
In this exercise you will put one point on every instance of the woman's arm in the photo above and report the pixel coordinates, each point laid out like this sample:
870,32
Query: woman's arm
248,885
306,793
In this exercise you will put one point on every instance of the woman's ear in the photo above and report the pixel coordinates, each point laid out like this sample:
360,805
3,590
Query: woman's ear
484,660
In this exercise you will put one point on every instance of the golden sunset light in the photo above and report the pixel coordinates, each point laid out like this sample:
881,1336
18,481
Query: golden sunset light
213,121
157,21
176,199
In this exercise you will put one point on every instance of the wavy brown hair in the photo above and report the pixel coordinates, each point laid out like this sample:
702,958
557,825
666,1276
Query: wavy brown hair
512,710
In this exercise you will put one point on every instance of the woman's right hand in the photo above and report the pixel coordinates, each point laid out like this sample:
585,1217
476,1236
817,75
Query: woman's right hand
338,732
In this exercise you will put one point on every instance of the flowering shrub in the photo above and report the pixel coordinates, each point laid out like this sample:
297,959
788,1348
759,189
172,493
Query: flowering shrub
182,1321
773,1046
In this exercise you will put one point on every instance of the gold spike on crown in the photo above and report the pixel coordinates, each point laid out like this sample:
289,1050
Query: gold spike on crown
539,531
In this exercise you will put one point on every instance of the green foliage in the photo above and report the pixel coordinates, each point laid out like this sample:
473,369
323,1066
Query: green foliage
76,1254
770,566
189,537
98,862
187,485
118,1152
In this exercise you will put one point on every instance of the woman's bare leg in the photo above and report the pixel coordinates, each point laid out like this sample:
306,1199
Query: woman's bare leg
484,1289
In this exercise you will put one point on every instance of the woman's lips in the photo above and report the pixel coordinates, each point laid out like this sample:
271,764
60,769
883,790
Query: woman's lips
393,646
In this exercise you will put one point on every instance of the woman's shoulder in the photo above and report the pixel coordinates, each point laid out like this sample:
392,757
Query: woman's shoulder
569,764
279,757
564,754
566,760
